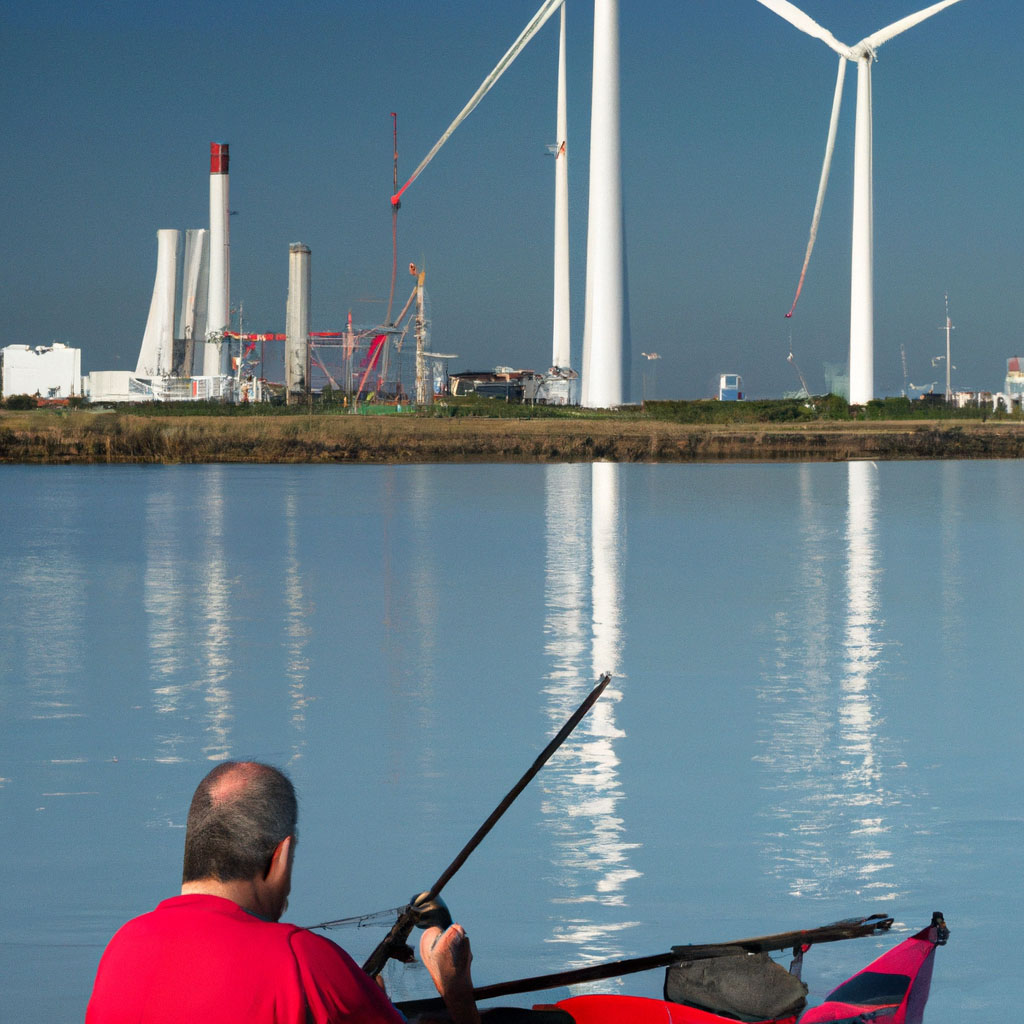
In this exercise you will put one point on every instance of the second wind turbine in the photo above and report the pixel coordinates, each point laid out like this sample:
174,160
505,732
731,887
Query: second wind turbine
862,369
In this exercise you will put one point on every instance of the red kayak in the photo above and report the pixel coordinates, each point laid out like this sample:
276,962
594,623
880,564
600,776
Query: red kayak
892,989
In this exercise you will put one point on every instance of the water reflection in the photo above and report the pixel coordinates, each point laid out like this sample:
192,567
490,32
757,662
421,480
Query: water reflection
825,748
215,638
424,571
582,789
296,628
51,614
163,599
45,605
952,570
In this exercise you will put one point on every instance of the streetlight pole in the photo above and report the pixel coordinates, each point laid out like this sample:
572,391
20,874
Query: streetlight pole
650,357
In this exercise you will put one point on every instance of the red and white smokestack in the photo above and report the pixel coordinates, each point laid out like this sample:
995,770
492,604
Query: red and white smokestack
219,295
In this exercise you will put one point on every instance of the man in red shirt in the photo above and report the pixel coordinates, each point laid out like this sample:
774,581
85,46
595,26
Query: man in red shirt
217,953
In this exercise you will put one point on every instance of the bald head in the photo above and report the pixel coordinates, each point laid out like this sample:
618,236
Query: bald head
239,814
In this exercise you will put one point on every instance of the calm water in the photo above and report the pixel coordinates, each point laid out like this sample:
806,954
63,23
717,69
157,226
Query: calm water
816,709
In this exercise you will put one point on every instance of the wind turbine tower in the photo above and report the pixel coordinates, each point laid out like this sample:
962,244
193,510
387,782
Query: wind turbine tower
605,361
560,340
862,371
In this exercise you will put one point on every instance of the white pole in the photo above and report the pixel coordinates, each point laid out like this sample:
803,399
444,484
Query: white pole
219,297
862,368
604,320
949,328
560,340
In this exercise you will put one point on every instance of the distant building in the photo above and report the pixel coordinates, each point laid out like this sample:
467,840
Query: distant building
559,386
1014,376
125,386
501,382
46,371
837,380
729,387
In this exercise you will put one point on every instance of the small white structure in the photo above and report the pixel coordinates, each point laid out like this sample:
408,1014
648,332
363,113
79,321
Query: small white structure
49,371
125,386
730,387
560,386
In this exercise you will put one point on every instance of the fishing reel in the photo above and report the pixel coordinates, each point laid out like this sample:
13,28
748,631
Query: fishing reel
430,913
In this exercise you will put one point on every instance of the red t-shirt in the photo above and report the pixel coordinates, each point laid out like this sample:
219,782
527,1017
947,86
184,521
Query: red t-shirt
204,959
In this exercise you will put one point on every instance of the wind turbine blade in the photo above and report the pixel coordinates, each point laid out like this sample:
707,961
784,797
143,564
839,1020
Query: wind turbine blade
873,41
535,24
826,166
791,13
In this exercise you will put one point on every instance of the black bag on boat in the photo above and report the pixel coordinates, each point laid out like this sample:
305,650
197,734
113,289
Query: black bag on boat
748,987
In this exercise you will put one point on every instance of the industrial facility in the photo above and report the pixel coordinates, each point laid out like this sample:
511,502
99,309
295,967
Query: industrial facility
191,351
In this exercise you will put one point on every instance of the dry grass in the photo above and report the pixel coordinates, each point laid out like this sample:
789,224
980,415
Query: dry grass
43,436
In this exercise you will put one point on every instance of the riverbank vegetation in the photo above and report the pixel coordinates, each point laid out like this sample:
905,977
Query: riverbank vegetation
482,430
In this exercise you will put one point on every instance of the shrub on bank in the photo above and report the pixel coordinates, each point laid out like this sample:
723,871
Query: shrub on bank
21,402
709,410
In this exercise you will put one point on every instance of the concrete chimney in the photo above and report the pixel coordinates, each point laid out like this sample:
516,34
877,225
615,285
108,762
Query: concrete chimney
296,362
219,295
158,341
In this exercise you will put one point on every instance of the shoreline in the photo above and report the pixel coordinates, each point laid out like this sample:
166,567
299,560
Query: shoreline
89,438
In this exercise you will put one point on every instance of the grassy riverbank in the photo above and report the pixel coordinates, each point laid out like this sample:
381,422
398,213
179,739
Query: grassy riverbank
159,436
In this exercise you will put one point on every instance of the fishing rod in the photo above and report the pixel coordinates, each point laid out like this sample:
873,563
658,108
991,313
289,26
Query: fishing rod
426,906
359,920
850,928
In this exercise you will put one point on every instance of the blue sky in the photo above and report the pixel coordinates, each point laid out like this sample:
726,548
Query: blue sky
108,111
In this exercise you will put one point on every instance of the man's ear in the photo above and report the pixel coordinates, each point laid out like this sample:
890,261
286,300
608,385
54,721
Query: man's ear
280,860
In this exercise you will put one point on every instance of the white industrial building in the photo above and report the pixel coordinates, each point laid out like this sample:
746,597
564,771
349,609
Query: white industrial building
47,371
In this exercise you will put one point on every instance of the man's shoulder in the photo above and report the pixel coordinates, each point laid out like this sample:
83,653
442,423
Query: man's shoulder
190,916
311,947
334,982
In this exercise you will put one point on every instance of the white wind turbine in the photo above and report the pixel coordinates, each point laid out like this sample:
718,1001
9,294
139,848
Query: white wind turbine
862,384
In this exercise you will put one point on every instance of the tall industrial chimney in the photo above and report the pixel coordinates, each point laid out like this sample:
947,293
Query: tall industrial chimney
219,297
296,322
158,340
195,282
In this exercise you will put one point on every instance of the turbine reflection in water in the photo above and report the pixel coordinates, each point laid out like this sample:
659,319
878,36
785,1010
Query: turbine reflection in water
952,487
581,785
825,760
425,570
